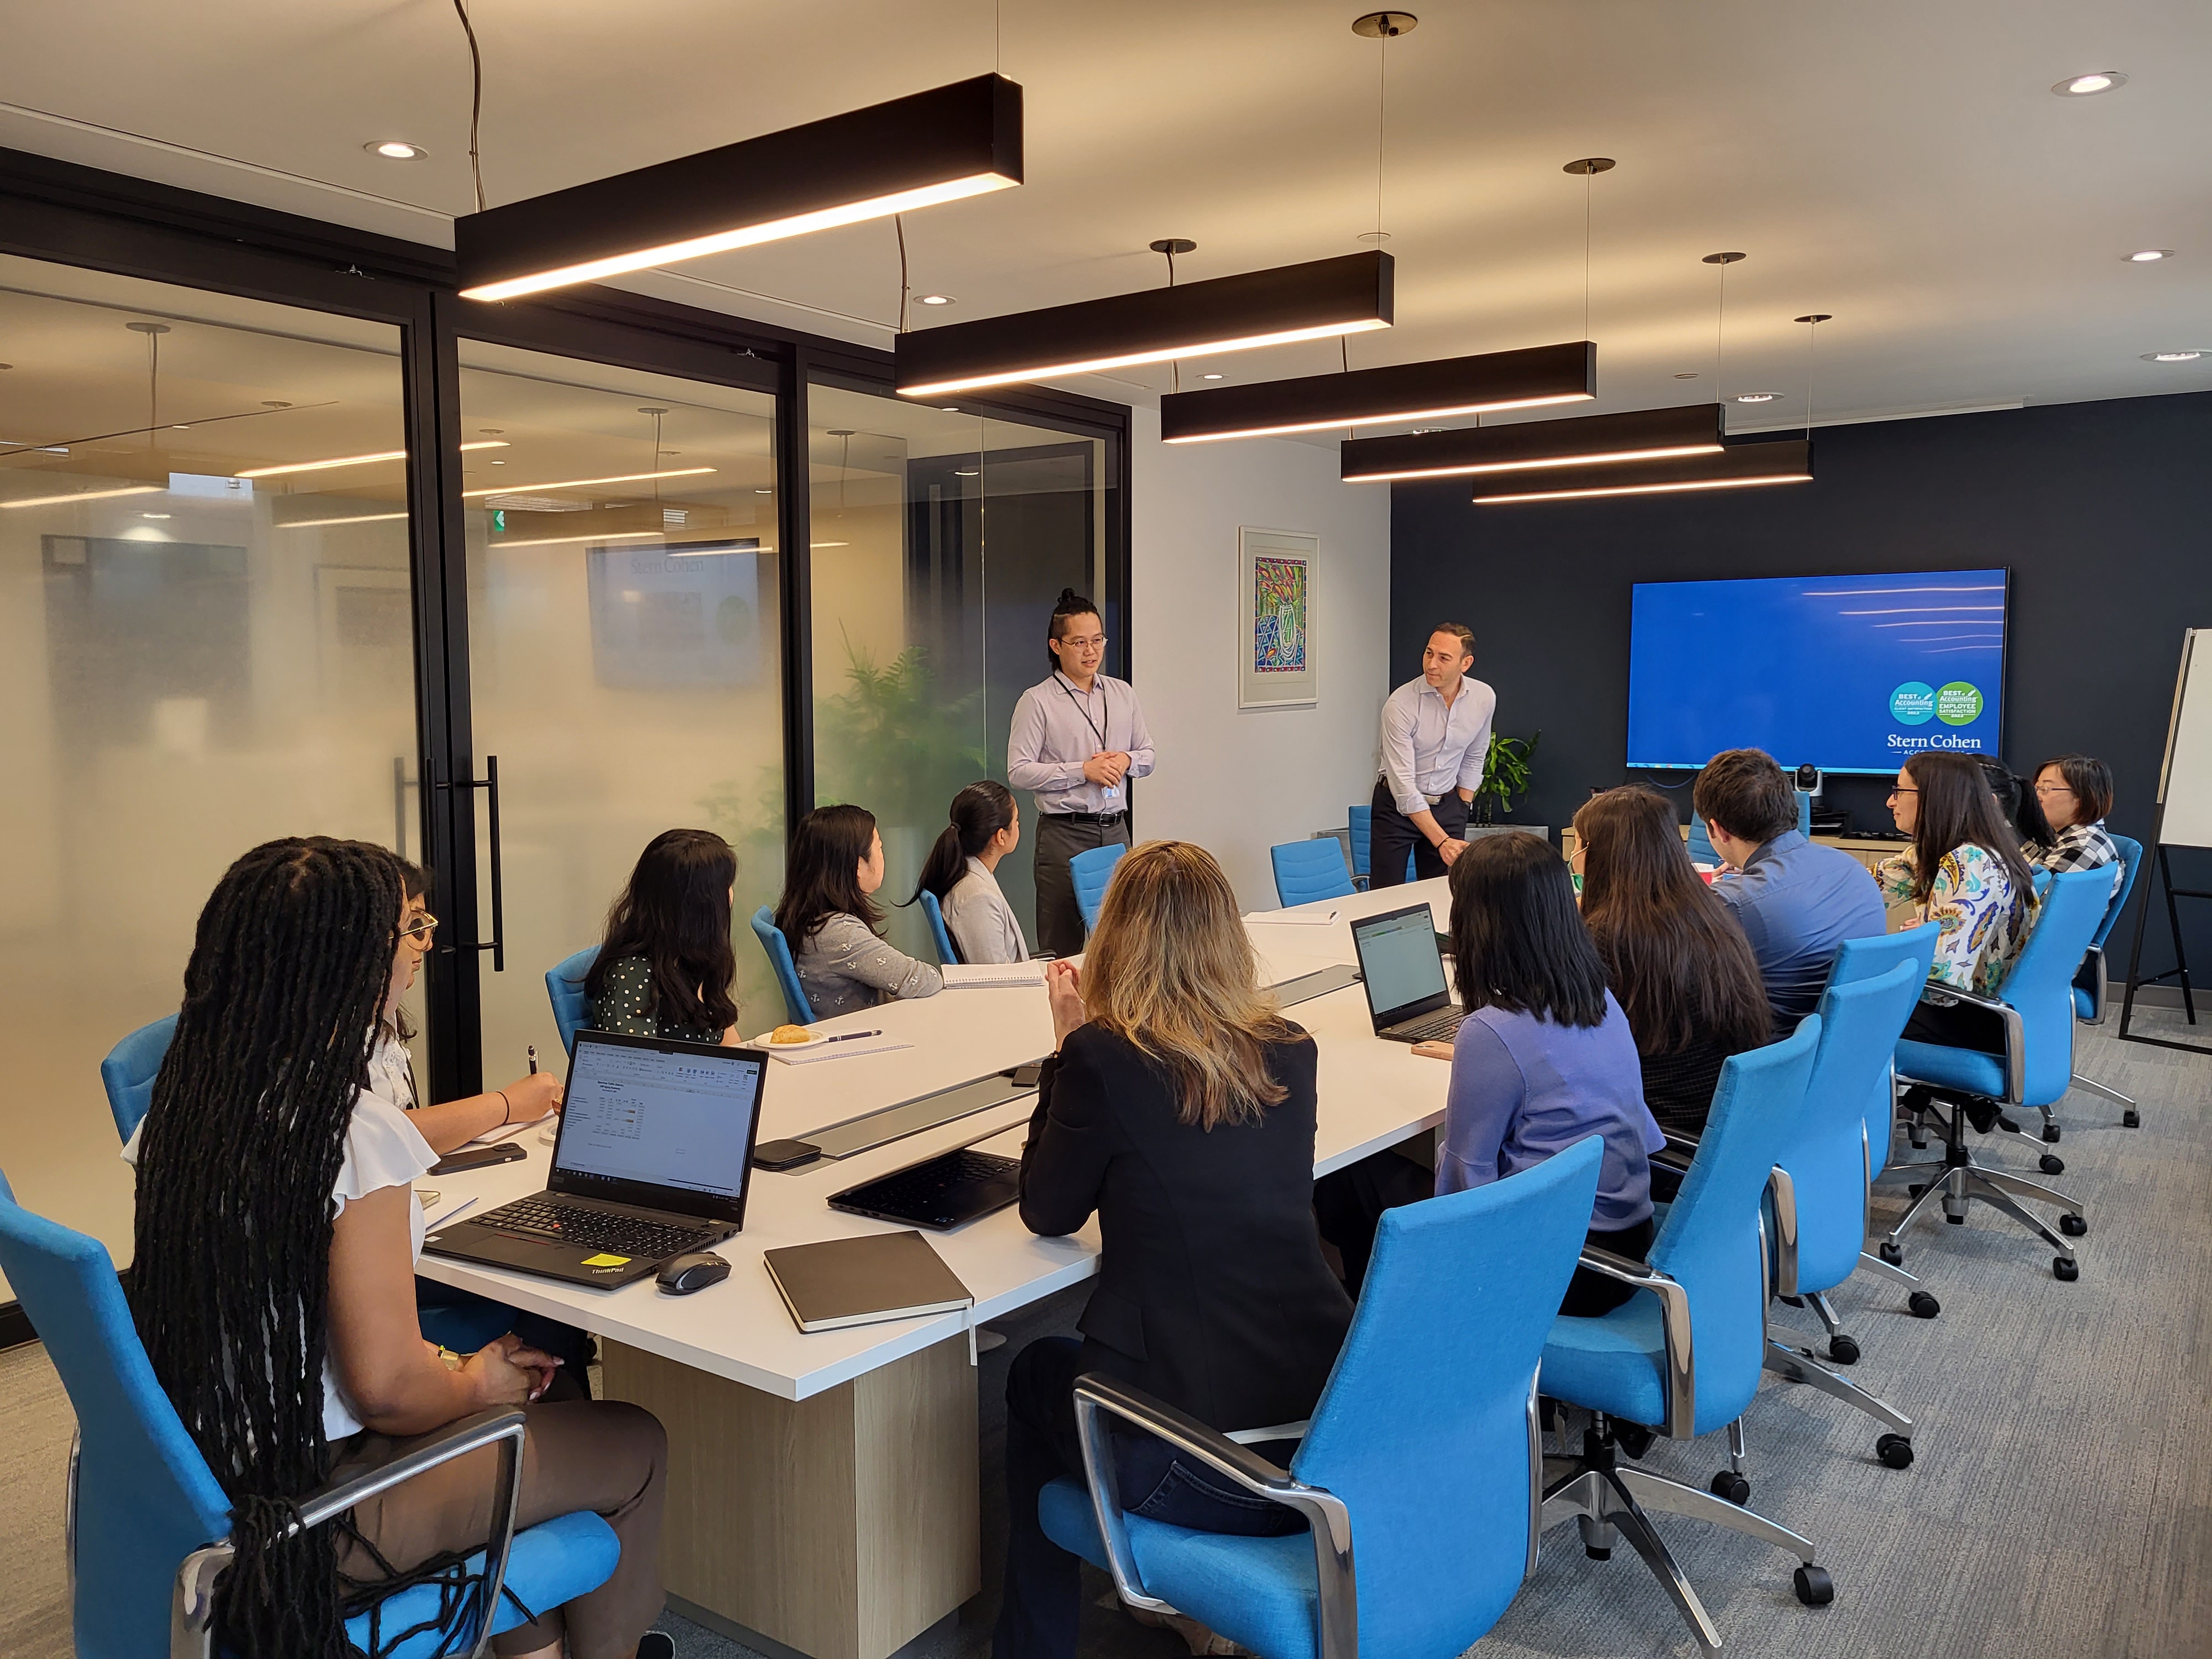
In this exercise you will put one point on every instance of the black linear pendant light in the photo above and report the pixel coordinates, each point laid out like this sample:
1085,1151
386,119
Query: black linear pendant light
1784,461
1312,301
1635,434
1527,378
942,145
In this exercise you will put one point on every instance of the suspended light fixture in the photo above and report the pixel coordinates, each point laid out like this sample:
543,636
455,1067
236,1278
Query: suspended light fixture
1635,434
1786,461
1528,379
942,145
1316,301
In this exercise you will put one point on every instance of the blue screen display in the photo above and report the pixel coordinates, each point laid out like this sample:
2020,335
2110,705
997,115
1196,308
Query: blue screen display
1846,673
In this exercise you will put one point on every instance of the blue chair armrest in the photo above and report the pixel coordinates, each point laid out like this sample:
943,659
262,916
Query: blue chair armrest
2015,1035
1675,1322
1325,1513
191,1621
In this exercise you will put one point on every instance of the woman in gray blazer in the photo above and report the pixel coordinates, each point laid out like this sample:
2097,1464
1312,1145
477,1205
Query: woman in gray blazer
962,871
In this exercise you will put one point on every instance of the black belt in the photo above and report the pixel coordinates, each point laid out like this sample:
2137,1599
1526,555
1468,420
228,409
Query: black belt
1089,817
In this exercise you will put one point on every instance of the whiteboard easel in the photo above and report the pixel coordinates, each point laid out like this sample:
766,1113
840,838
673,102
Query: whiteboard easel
2183,819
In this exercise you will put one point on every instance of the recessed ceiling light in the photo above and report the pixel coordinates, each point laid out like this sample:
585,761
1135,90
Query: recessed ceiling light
396,150
1756,397
966,472
2149,255
936,299
499,462
2171,356
1212,377
152,515
2083,86
763,492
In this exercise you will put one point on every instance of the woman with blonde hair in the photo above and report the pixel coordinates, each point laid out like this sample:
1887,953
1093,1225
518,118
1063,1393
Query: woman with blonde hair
1179,1109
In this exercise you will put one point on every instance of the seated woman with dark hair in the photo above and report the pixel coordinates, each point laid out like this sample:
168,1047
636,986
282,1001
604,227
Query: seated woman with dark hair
1674,957
2017,804
1544,1058
276,1232
666,962
963,872
2075,794
832,925
1965,871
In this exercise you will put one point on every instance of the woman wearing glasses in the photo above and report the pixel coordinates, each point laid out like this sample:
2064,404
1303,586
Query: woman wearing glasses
2075,793
391,1072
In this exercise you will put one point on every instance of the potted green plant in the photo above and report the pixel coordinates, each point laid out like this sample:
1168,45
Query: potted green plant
1505,780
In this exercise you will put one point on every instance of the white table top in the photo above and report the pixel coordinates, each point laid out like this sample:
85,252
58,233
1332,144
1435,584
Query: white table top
1372,1094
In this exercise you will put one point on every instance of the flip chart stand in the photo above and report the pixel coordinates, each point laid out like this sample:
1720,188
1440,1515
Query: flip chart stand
2185,819
2180,970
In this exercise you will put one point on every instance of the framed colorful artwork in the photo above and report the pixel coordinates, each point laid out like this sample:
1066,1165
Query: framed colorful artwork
1276,574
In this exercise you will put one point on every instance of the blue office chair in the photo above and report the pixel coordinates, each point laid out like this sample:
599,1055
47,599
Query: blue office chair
129,1072
1422,1453
1361,824
1701,844
1309,870
939,935
1819,1186
1685,1356
564,985
787,971
2091,985
150,1525
1870,958
1091,870
2034,1011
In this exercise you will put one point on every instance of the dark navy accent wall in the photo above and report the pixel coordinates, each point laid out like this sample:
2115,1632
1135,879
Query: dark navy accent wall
2102,512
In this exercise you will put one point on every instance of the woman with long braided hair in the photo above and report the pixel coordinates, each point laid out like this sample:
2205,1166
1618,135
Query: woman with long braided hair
276,1236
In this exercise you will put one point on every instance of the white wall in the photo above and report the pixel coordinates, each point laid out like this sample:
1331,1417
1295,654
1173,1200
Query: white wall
1237,780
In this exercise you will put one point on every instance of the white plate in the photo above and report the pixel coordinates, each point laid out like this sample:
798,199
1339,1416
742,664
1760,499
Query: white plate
814,1040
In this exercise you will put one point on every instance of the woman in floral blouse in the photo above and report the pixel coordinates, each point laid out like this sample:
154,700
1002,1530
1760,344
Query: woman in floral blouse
1965,871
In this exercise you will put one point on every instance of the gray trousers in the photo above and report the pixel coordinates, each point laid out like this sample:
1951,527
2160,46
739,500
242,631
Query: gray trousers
1060,838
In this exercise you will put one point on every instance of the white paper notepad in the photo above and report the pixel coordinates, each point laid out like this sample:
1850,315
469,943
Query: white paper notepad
966,976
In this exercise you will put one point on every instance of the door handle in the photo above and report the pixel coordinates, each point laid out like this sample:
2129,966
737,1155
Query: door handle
497,944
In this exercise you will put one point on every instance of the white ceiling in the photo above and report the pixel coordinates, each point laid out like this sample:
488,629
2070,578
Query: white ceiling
1899,163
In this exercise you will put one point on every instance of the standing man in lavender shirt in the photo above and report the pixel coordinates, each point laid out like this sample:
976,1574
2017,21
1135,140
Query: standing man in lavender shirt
1078,737
1435,741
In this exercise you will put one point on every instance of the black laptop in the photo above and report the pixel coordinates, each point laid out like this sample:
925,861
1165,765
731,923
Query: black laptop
655,1148
1404,973
940,1192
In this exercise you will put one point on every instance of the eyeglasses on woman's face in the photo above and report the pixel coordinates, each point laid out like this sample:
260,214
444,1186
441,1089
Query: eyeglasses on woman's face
2051,791
1894,793
417,928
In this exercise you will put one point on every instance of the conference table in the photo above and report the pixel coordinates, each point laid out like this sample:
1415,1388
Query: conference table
824,1488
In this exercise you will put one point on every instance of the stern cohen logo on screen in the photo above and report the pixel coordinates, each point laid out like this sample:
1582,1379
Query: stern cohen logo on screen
1916,703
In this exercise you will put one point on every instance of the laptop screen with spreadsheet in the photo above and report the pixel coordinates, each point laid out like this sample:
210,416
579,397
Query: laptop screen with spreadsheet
1398,959
660,1123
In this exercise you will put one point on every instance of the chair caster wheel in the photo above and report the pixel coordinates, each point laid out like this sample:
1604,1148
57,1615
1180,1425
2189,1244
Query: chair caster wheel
1955,1220
1915,1188
1889,1253
1921,1305
2065,1268
2073,1225
1895,1451
2050,1133
1842,1350
2131,1119
1634,1438
1597,1555
2051,1163
1733,1486
1815,1588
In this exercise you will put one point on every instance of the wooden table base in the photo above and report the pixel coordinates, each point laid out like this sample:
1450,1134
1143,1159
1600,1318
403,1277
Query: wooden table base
843,1526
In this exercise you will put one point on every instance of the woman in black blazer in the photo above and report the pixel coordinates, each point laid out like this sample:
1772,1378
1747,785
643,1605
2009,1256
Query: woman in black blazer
1180,1108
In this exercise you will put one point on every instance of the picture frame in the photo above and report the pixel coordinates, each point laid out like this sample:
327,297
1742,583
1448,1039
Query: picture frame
1277,579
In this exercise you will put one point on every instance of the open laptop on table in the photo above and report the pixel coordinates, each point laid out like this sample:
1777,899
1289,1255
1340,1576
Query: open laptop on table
1404,976
654,1151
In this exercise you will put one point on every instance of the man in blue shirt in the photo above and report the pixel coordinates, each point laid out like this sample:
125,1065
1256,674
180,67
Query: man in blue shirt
1797,901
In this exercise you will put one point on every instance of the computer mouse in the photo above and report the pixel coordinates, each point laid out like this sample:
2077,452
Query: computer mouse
683,1274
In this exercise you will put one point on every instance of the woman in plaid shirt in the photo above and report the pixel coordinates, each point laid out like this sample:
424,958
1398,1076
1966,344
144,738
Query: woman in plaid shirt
2075,793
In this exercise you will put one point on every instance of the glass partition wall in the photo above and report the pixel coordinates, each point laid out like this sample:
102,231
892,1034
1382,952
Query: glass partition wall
940,540
205,642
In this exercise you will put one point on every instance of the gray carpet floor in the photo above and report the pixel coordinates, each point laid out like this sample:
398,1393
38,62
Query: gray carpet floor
2061,1503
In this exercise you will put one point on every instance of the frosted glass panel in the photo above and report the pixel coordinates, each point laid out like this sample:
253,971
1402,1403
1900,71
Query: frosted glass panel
940,540
625,659
190,661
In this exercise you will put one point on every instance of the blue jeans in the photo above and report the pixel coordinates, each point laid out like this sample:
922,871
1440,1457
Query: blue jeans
1039,1618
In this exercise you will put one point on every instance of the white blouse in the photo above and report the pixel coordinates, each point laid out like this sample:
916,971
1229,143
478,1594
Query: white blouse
981,922
383,1149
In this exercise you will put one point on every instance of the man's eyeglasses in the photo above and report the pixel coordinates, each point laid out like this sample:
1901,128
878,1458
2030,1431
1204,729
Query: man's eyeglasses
418,929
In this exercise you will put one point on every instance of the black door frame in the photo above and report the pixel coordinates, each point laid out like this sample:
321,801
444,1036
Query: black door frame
61,213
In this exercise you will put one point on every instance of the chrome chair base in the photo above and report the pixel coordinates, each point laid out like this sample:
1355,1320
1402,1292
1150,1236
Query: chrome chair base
2131,1115
1607,1501
1957,1180
1803,1366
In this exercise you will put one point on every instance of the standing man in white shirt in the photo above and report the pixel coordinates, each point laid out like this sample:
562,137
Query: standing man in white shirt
1078,738
1436,738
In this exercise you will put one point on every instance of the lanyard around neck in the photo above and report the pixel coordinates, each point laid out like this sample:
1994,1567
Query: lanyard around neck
1068,692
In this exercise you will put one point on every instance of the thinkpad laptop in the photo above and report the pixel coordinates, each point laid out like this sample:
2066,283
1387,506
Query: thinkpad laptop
1403,975
654,1149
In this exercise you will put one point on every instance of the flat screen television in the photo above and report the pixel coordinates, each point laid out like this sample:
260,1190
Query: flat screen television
1846,673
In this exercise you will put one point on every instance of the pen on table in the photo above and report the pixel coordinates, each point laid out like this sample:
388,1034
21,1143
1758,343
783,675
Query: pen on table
850,1037
533,1059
